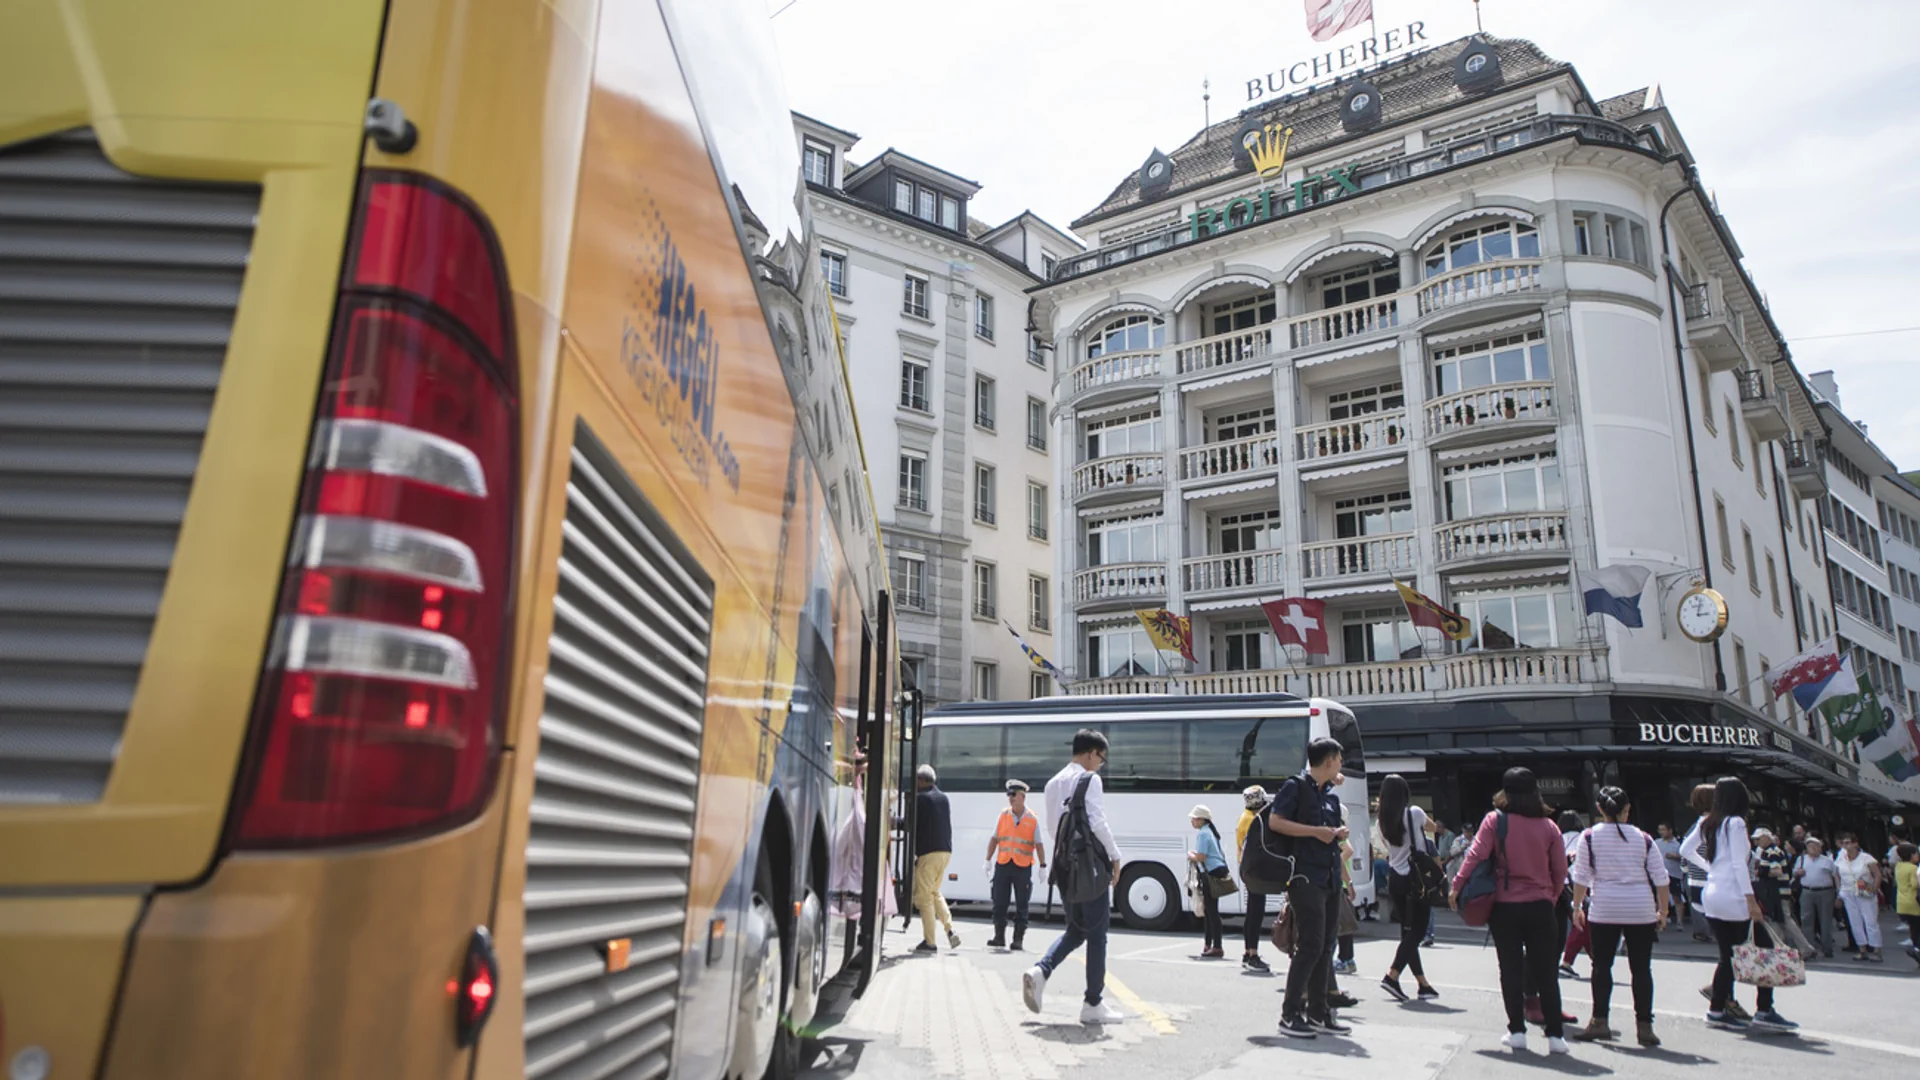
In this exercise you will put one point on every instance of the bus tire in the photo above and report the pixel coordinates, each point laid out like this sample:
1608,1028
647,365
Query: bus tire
1148,898
757,1025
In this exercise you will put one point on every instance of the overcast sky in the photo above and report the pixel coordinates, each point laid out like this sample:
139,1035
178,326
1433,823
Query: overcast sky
1802,116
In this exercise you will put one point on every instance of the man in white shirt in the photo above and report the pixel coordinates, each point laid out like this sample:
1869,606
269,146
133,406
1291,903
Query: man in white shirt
1086,921
1819,884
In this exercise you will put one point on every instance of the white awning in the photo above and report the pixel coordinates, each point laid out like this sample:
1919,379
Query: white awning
1123,508
1125,307
1232,489
1340,249
1504,576
1212,283
1261,371
1479,453
1131,405
1383,343
1227,605
1352,590
1484,331
1108,618
1479,211
1348,470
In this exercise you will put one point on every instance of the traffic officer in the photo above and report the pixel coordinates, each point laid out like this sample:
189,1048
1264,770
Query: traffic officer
1011,851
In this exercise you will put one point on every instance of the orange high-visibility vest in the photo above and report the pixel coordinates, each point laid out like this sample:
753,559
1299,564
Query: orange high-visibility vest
1016,838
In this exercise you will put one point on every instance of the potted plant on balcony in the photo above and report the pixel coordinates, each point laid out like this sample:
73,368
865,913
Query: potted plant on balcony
1506,406
1393,434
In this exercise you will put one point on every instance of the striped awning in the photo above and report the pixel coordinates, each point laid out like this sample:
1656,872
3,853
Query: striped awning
1348,470
1122,509
1496,449
1231,489
1490,330
1214,283
1258,372
1369,247
1228,605
1451,220
1505,576
1130,405
1353,590
1384,343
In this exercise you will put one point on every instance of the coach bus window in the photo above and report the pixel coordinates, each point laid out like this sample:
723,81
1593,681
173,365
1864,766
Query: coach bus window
1346,731
1227,755
967,757
1145,756
1036,751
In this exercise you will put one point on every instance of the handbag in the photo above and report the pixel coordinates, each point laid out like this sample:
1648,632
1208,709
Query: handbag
1285,932
1476,895
1219,883
1773,965
1429,877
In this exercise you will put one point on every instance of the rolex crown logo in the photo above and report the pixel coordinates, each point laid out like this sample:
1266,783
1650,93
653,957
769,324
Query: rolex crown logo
1268,149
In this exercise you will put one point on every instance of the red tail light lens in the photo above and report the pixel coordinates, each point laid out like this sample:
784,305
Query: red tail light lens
380,709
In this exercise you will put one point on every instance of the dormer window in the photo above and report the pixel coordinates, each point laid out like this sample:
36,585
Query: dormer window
816,163
929,204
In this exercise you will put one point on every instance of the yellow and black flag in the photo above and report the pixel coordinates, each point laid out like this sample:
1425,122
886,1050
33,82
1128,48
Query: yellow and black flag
1425,611
1171,632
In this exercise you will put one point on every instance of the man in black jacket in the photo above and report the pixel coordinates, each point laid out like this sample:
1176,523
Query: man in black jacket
1307,810
932,850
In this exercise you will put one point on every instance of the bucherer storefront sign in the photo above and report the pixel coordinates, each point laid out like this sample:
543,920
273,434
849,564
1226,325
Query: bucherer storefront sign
1700,735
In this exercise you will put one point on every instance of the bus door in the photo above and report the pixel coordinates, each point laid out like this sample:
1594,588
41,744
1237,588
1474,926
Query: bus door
912,708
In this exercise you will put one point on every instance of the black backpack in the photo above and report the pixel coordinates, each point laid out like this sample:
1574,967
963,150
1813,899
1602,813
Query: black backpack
1266,859
1082,869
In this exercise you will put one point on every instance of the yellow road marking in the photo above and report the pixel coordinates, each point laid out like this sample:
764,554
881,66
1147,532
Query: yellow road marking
1155,1019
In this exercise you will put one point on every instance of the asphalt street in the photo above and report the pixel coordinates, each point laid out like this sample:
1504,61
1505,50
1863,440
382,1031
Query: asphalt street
959,1014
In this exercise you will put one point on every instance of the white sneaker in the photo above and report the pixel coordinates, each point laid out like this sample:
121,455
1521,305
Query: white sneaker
1514,1040
1033,987
1102,1013
1558,1045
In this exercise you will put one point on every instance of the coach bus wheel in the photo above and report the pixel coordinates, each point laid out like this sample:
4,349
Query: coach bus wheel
809,961
1148,897
758,1023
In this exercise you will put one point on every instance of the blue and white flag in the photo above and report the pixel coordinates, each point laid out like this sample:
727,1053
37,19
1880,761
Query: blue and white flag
1033,654
1615,590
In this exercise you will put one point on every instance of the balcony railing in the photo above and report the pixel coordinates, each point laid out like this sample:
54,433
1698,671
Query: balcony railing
1482,281
1507,534
1717,330
1329,560
1224,350
1315,443
1490,407
1458,153
1343,323
1212,461
1121,581
1114,368
1806,467
1465,673
1218,573
1698,298
1119,473
1764,410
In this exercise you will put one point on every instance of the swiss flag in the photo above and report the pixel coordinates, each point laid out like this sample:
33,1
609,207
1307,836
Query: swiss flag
1297,620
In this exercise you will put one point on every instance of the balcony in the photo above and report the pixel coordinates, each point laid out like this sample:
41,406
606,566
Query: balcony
1343,324
1505,536
1360,557
1763,408
1120,473
1491,412
1473,285
1806,467
1122,581
1115,370
1317,444
1716,332
1472,674
1225,573
1224,350
1235,457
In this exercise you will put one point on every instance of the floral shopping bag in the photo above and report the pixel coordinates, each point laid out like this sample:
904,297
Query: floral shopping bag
1773,965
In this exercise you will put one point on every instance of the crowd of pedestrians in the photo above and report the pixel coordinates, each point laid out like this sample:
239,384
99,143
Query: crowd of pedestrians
1546,885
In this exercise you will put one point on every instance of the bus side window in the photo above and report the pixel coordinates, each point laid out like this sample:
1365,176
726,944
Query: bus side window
966,757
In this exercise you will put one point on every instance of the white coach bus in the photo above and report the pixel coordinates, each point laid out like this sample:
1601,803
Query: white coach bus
1168,753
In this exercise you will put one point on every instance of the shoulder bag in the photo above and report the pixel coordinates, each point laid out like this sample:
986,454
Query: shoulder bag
1429,878
1285,932
1476,895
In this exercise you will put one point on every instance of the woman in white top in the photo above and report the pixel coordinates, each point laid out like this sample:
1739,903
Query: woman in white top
1617,868
1403,825
1860,895
1719,844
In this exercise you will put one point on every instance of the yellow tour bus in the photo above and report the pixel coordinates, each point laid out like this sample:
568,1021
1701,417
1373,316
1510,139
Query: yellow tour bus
442,619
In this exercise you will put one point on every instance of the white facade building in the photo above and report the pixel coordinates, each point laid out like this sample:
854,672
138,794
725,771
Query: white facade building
1478,333
953,398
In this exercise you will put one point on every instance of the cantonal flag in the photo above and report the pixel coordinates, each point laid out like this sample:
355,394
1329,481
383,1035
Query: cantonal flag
1297,620
1173,633
1424,611
1326,18
1852,708
1893,752
1814,667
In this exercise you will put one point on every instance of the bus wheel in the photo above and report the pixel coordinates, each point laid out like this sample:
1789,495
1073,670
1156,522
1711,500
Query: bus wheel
1149,899
757,1027
809,961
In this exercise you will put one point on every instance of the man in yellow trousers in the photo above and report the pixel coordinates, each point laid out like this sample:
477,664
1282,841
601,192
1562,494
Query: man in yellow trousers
932,850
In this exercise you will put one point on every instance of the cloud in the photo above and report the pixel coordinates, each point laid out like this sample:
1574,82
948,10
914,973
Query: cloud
1798,115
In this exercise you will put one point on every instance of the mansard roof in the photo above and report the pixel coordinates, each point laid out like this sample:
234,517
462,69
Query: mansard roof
1420,84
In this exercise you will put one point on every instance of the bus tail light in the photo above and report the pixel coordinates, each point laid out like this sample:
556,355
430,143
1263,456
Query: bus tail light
379,712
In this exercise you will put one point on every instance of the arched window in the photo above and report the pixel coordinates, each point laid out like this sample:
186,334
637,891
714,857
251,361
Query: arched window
1126,334
1483,243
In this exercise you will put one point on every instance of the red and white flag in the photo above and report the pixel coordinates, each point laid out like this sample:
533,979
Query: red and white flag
1326,18
1817,664
1299,621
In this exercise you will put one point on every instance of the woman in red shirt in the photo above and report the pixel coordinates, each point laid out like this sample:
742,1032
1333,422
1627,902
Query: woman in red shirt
1530,870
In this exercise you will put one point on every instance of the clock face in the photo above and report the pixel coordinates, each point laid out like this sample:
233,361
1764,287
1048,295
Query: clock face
1475,63
1157,170
1700,616
1360,102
